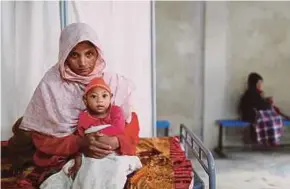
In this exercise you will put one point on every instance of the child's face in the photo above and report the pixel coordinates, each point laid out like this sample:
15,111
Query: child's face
98,100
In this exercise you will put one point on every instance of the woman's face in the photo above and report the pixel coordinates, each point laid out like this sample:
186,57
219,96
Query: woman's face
82,58
260,85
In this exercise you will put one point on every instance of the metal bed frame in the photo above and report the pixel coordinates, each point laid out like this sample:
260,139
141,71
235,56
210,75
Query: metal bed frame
193,144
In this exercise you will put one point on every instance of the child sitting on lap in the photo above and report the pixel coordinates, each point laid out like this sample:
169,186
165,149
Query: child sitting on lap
102,117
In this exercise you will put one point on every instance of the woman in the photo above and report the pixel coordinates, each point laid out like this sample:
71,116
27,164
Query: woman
253,98
50,120
260,111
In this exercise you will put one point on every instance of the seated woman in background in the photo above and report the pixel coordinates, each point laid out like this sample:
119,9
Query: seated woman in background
256,109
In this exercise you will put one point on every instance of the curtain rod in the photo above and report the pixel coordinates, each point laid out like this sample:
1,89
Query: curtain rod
63,13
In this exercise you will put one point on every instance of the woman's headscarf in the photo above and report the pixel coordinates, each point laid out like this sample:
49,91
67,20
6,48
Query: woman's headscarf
70,37
57,100
253,79
252,99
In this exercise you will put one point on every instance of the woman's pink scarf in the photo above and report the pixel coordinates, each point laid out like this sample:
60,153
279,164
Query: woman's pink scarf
57,101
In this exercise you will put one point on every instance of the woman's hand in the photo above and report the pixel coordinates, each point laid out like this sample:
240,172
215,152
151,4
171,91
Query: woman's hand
270,100
112,141
96,145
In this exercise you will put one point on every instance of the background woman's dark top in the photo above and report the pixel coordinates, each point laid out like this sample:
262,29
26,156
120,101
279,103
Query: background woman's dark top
252,99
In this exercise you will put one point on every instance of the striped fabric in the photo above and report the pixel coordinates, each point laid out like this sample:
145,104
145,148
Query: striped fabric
182,167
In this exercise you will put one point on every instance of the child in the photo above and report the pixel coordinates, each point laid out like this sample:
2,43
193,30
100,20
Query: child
102,117
99,111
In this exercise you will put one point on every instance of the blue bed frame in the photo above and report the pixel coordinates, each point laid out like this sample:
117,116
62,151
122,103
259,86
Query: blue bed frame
193,144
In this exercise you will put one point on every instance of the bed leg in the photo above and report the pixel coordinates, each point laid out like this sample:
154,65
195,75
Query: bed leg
219,150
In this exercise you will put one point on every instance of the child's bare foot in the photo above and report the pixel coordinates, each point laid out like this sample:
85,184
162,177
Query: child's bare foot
75,168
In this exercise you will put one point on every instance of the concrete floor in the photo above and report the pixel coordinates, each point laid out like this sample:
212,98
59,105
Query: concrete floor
251,170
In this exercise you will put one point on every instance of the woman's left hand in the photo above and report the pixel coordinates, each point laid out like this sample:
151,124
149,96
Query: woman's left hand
109,140
101,140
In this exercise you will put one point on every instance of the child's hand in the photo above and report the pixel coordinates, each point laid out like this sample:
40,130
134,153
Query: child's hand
96,134
75,168
99,134
98,145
